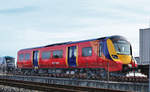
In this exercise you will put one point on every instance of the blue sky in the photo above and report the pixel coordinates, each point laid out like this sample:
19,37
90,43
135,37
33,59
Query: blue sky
32,23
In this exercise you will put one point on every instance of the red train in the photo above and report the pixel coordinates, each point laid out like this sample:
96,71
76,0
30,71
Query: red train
113,54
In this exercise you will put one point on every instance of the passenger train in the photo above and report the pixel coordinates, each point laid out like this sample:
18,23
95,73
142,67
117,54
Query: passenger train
94,56
7,64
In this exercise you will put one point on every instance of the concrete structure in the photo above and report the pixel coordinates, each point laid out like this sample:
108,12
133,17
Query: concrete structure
123,86
145,46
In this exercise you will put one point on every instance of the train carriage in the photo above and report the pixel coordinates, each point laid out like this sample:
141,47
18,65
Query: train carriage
111,54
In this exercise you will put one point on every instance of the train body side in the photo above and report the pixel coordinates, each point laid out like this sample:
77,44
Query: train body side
51,62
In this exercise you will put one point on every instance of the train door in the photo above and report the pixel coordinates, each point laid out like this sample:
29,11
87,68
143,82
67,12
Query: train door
35,58
72,56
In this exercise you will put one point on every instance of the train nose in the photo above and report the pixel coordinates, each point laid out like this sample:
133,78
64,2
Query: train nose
125,59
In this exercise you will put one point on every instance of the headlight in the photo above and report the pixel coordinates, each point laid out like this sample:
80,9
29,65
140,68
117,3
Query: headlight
115,56
130,65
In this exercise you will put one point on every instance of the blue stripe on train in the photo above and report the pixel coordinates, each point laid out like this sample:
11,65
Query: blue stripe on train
105,49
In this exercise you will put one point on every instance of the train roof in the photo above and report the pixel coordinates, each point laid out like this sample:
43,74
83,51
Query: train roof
70,42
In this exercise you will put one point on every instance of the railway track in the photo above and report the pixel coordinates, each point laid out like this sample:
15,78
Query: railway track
136,79
130,79
115,79
52,87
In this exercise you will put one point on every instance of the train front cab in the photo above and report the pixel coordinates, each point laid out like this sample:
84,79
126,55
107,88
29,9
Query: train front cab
118,52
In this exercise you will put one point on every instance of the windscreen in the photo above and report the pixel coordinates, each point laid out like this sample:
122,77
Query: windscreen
10,60
122,46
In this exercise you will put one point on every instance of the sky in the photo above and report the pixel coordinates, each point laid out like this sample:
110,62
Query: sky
33,23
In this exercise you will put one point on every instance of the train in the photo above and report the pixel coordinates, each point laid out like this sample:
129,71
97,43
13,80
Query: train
7,64
94,57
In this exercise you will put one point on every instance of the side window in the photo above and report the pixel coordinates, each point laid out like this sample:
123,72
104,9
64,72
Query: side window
21,57
87,51
100,49
27,56
57,54
46,55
